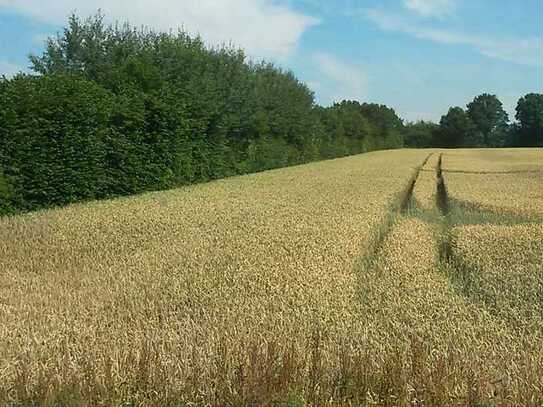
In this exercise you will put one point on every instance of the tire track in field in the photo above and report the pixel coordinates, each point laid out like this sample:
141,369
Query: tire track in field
442,197
400,207
442,203
408,197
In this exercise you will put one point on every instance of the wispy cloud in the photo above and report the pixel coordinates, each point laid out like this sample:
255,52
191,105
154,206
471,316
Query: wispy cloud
338,79
431,8
526,51
262,27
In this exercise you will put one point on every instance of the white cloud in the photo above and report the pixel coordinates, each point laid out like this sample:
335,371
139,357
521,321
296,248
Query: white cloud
262,27
431,8
388,22
8,68
338,79
528,51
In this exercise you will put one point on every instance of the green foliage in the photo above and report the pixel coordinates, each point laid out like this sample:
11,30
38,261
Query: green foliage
51,139
489,119
455,128
352,128
384,117
420,134
530,118
116,110
6,194
484,124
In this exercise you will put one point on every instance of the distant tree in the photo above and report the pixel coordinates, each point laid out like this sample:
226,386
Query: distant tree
346,129
530,118
384,117
387,124
455,128
421,134
356,127
489,119
512,136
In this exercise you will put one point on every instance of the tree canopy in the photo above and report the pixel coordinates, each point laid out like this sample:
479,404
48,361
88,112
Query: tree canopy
421,134
484,123
530,119
114,110
489,119
455,128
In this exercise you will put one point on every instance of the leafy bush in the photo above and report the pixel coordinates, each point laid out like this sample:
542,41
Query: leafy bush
115,111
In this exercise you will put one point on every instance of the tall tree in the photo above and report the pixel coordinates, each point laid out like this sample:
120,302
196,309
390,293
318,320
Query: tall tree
421,134
382,116
530,118
489,119
455,128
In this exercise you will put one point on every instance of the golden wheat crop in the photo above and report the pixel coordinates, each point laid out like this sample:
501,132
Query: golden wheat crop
411,306
504,182
299,286
432,162
504,272
191,272
506,160
406,298
518,195
425,189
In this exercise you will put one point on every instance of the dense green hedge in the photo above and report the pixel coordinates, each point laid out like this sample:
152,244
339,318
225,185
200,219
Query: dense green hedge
115,111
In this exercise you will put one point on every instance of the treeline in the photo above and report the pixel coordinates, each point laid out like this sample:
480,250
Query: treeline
484,123
116,110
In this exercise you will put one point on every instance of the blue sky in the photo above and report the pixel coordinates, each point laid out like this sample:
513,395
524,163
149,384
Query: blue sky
418,56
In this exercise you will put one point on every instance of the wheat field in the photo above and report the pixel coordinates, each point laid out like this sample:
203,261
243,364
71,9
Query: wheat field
400,278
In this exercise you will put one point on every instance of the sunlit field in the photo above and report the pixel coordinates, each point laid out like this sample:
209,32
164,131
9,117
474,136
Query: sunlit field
399,278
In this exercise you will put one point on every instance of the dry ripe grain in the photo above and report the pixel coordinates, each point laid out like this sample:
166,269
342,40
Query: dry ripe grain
498,181
493,160
405,294
411,306
503,266
502,194
425,191
449,341
432,162
194,274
